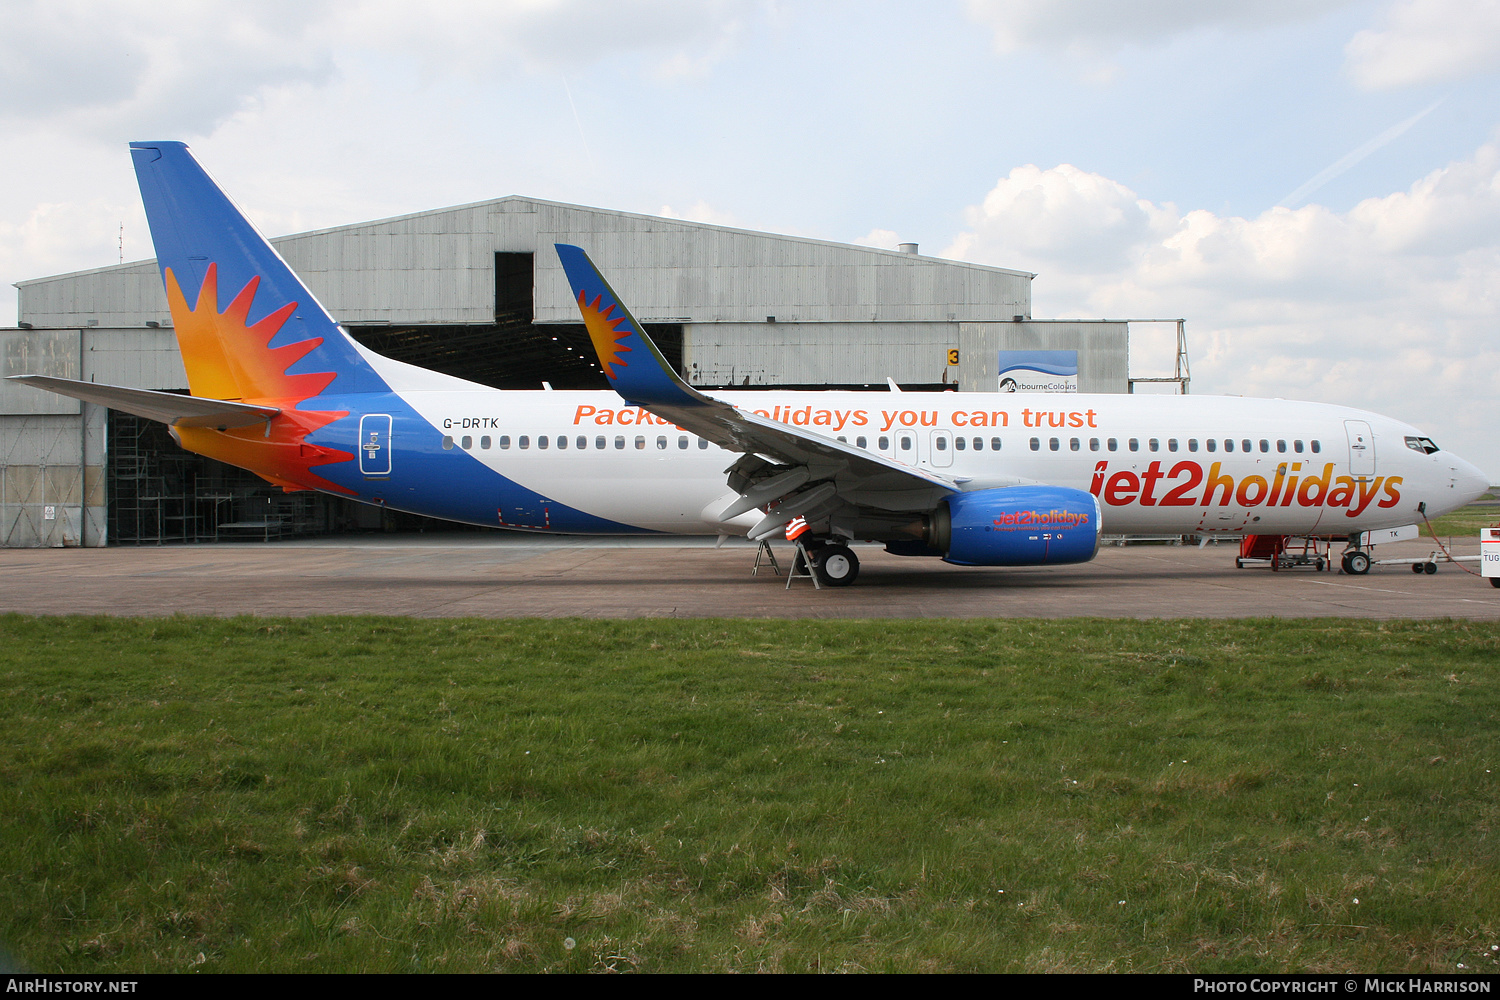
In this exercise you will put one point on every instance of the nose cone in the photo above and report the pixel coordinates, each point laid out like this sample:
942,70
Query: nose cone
1469,484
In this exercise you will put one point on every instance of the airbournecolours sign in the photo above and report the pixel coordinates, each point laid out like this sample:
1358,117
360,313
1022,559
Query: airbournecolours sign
1038,371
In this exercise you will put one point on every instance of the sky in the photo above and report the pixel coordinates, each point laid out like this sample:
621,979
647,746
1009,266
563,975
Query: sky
1314,185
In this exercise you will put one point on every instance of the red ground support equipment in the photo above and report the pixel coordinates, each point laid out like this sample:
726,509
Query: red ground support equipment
1282,552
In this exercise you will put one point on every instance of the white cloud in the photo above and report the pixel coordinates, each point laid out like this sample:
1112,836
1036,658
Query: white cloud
1092,222
701,211
1393,305
1100,26
884,239
479,38
152,68
1426,41
136,67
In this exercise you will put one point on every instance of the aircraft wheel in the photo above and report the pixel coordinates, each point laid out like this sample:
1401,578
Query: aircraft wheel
1239,563
835,565
1430,568
1495,581
1416,567
1357,563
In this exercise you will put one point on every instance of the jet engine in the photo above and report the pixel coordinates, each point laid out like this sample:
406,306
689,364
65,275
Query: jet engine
1016,526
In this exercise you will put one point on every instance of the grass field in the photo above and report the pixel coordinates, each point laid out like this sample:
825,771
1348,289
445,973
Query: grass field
388,794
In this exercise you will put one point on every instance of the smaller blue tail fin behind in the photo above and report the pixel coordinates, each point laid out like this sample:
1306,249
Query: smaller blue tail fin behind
631,362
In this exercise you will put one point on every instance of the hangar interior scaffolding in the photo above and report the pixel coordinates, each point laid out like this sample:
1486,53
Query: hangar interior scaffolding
161,494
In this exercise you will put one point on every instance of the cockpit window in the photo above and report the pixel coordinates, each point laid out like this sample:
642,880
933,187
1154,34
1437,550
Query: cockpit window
1424,445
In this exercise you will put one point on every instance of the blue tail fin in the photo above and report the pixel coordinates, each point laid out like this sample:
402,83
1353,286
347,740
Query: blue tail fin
247,325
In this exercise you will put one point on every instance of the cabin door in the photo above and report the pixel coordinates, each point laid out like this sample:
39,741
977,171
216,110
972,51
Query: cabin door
1361,449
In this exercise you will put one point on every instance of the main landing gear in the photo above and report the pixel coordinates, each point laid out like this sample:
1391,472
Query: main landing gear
833,564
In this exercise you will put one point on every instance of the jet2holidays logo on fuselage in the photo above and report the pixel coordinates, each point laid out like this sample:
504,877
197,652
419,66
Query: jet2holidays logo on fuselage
1185,484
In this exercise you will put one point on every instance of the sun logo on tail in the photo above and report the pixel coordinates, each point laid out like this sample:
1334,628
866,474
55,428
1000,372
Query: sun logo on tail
226,358
605,332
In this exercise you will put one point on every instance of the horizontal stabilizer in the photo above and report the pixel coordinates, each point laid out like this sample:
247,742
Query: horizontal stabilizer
168,407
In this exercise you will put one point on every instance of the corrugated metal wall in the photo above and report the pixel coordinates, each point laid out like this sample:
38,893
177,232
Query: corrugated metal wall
53,448
1103,351
818,353
438,267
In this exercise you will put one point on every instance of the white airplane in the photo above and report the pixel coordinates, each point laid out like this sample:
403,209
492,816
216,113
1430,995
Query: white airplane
982,479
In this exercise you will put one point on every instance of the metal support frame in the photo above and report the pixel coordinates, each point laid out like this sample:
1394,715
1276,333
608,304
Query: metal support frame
1181,374
764,552
803,559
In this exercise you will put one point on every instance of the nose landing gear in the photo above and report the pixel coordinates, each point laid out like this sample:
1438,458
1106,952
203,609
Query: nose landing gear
1356,562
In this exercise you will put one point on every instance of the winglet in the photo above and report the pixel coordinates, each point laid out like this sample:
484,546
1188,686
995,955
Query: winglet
631,362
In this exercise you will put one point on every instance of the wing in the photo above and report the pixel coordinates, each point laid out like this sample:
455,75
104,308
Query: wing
809,474
168,407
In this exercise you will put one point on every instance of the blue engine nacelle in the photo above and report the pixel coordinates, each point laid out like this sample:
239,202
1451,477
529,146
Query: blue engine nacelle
1016,526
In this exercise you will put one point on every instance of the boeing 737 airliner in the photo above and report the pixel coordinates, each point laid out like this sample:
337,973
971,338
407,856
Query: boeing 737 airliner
983,479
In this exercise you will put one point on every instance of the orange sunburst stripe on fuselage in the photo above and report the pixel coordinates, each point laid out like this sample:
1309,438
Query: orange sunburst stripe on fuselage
226,359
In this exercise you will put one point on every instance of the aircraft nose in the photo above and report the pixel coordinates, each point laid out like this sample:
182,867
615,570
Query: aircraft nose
1468,482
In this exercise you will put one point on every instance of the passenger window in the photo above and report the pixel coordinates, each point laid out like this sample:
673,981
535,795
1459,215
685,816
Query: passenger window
562,440
1036,444
1135,444
703,444
859,442
682,443
885,443
600,442
619,442
484,442
640,442
959,444
994,444
541,441
1053,443
661,443
1229,444
1192,444
905,442
1297,446
1213,444
1280,445
1171,444
1264,445
1073,444
447,442
1113,444
466,443
1317,446
505,440
1093,444
1154,444
1245,444
523,441
941,443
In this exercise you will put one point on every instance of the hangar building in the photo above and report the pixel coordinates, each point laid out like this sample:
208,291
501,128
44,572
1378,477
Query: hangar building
477,291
